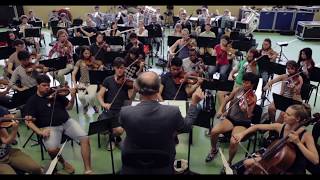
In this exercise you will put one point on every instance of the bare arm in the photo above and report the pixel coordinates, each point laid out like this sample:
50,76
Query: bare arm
174,47
227,99
309,150
10,67
71,101
160,92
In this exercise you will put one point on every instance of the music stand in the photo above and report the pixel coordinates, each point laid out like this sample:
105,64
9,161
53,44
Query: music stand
114,40
5,52
97,77
282,103
110,56
278,68
242,45
209,60
172,40
98,127
264,64
80,41
55,64
32,32
218,85
36,23
208,42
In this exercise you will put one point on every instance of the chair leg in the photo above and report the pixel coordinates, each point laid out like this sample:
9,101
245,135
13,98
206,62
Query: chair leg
77,106
248,147
99,142
255,142
24,145
41,147
315,98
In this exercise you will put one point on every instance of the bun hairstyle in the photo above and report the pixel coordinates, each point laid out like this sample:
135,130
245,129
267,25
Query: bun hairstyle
302,111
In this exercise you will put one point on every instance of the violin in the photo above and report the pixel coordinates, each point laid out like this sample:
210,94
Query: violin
280,155
93,64
31,67
124,80
188,78
7,120
247,100
4,83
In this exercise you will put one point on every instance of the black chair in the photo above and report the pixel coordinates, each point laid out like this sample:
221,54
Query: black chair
40,143
147,161
314,76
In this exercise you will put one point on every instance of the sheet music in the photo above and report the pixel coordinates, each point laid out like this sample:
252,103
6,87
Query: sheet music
55,160
181,104
228,170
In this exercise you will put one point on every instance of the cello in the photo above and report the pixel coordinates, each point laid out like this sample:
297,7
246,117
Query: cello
279,156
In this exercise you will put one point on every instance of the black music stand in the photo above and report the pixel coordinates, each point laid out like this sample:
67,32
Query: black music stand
242,45
80,41
278,68
218,85
209,60
114,40
36,23
5,52
265,64
282,103
207,42
314,76
97,77
32,32
110,56
55,64
172,40
101,126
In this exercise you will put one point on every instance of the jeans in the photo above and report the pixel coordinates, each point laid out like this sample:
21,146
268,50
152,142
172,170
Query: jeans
223,69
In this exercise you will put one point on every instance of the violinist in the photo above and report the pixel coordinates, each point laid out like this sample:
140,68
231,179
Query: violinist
290,87
174,84
222,63
24,25
27,79
12,159
306,62
134,42
141,30
238,117
111,96
137,67
84,64
51,122
181,45
193,64
62,48
301,139
272,55
100,47
13,61
244,66
207,33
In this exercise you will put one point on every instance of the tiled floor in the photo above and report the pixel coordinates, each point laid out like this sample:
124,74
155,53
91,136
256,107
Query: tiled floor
101,160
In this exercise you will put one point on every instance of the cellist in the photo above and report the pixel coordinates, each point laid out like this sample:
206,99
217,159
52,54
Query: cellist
302,140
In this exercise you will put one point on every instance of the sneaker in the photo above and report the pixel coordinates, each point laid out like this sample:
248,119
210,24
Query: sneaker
96,109
113,145
211,155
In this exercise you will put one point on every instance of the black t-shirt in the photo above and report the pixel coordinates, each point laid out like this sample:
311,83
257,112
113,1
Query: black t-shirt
41,108
170,88
112,88
140,46
94,49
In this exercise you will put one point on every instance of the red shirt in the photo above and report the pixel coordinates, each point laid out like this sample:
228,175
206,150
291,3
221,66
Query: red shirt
222,56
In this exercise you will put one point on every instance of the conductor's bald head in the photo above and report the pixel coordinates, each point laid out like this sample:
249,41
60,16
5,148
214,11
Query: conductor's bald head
148,83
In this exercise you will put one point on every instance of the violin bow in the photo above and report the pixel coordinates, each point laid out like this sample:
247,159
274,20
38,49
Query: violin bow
255,161
55,160
226,166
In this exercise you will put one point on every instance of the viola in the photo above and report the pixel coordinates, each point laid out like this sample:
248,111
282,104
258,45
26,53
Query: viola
93,64
188,78
247,100
123,80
